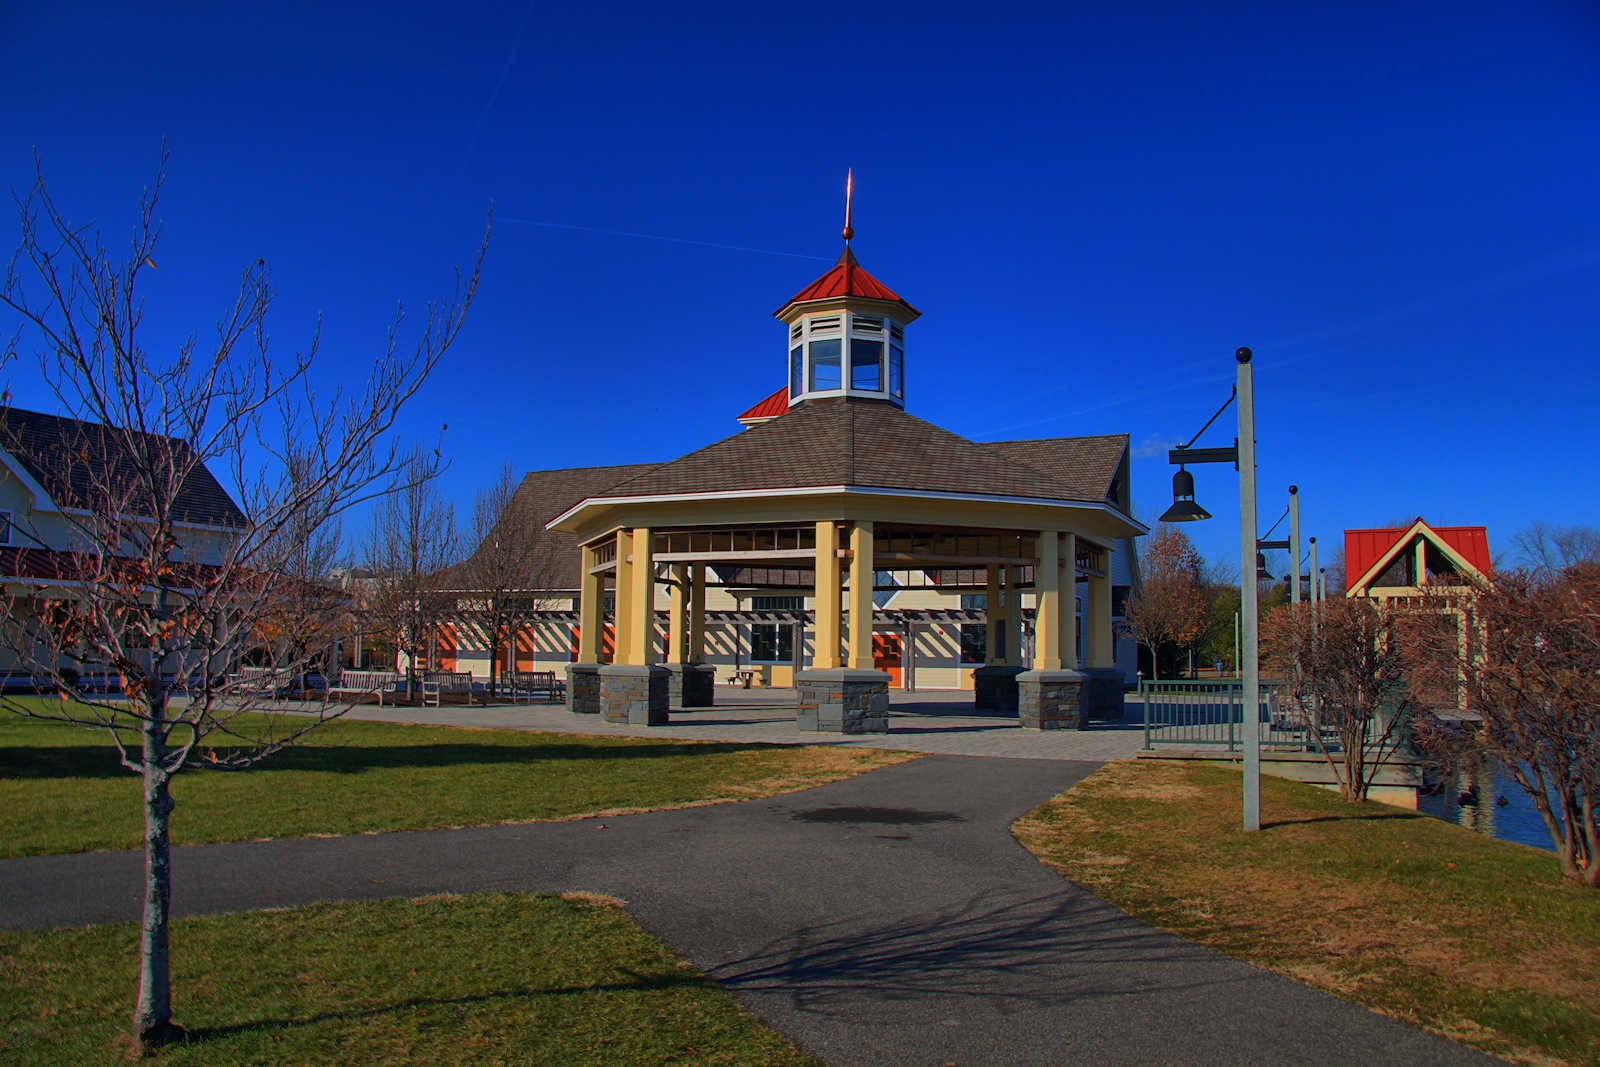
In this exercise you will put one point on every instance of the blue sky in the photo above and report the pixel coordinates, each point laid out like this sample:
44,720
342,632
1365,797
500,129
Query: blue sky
1394,205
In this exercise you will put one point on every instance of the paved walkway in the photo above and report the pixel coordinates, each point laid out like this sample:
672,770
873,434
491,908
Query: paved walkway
883,920
937,722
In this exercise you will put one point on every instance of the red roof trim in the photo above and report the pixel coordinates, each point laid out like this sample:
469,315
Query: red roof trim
770,408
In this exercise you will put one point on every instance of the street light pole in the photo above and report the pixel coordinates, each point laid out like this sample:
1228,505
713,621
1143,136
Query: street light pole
1184,509
1249,636
1294,544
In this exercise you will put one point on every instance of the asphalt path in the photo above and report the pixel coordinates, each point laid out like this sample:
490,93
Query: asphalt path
886,919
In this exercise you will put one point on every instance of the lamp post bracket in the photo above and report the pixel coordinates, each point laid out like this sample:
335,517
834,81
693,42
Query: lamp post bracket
1203,455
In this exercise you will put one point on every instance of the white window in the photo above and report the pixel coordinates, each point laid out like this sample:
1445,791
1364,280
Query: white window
772,643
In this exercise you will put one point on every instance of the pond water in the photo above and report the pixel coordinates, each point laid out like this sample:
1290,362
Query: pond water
1488,800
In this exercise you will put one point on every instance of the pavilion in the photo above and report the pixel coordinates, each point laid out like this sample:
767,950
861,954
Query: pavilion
837,483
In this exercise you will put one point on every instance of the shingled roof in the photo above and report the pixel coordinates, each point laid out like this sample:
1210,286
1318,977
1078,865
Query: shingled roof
876,444
542,495
73,461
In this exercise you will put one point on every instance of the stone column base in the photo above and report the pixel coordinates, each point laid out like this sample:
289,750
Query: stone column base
634,695
1102,693
691,685
583,688
1051,700
994,687
843,701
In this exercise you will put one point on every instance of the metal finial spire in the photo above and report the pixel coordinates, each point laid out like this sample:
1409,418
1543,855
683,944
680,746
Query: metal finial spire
849,181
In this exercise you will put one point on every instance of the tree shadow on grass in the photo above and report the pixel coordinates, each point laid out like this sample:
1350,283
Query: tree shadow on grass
638,984
1375,816
89,761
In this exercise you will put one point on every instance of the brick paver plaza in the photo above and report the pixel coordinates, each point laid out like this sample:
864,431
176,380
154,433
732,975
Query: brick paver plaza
936,722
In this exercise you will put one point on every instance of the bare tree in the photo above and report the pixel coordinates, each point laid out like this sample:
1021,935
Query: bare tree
158,577
413,541
509,576
1549,550
1170,604
1345,666
1513,667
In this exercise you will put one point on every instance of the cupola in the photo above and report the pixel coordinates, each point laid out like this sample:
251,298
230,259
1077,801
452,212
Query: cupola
847,334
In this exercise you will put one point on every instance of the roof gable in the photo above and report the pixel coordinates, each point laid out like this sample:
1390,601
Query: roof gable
75,461
1369,553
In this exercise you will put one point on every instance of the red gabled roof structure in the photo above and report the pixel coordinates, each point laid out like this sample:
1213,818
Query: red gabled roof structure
1365,549
847,278
770,408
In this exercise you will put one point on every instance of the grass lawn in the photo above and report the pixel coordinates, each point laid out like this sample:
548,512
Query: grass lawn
484,979
1472,938
62,789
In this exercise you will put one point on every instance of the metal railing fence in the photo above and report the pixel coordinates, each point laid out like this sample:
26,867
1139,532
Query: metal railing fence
1202,713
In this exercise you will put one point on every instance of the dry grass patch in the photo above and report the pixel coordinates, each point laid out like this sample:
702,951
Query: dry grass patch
1476,939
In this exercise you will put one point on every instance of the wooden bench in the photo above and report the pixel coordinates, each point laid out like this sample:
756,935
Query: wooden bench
436,685
531,685
742,676
362,684
260,681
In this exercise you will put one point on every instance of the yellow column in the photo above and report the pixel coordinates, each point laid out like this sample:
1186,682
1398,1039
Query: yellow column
591,607
1422,562
642,632
994,614
1069,601
1047,613
826,655
1102,651
677,614
696,650
861,596
622,594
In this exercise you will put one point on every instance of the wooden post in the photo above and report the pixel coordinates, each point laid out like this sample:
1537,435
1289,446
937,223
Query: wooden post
1047,615
829,595
861,573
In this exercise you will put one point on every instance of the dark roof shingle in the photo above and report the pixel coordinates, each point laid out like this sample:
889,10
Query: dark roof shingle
876,444
76,462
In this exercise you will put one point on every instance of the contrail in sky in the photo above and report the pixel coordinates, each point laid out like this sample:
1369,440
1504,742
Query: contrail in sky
658,237
494,94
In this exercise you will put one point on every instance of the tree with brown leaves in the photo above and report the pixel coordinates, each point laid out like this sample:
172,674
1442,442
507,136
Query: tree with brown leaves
1170,603
162,581
1513,668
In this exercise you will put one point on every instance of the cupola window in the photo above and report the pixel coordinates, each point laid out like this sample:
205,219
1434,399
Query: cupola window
825,364
866,365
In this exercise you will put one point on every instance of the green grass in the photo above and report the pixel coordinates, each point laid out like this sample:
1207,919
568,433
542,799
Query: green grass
1476,939
63,790
483,979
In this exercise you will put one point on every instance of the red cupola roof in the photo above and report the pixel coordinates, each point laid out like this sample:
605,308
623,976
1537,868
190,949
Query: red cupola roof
846,279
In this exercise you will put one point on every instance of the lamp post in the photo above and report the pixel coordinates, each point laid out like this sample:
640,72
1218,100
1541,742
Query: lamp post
1184,509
